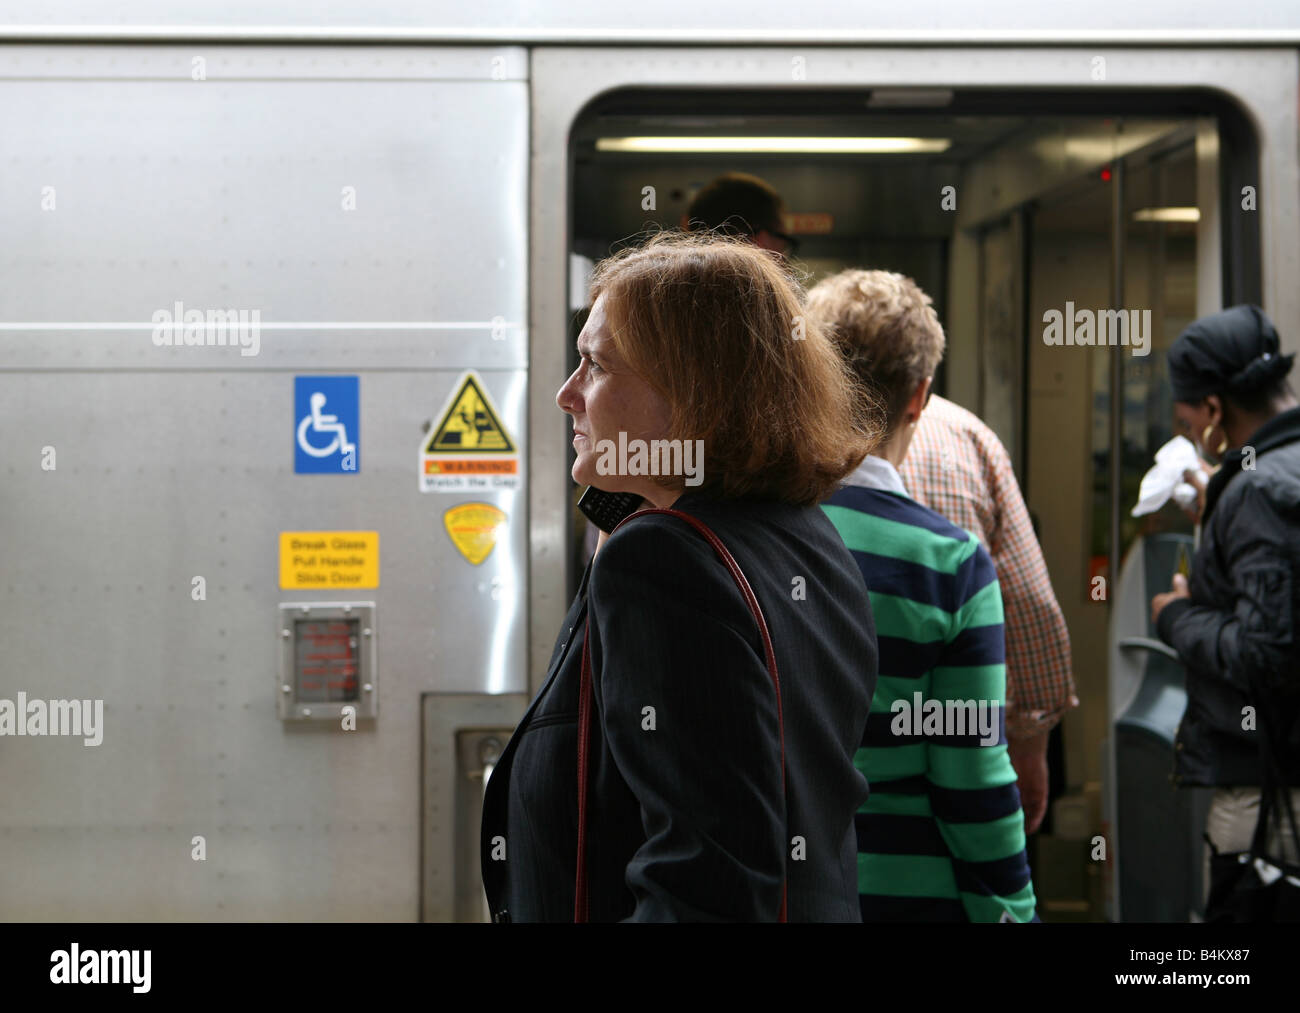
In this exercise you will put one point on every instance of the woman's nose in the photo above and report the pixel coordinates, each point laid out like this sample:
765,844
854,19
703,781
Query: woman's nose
566,396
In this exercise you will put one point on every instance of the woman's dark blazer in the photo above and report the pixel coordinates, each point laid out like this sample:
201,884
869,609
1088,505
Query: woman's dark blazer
686,820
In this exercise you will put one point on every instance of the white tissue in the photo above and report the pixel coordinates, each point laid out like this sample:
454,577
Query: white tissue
1166,478
1185,495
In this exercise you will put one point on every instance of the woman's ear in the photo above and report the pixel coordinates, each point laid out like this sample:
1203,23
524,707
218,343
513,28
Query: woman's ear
1214,404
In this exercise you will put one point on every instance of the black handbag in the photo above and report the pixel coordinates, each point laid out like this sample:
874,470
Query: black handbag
1252,886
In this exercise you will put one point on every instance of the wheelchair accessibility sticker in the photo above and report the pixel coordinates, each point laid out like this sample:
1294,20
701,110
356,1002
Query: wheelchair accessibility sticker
327,425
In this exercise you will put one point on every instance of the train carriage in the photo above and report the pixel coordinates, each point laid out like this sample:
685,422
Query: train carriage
285,308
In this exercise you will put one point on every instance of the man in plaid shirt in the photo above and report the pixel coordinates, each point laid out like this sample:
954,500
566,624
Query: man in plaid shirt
958,467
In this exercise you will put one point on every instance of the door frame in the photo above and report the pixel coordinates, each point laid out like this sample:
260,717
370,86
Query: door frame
1263,82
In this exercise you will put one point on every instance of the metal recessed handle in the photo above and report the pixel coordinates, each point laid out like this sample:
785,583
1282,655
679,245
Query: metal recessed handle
1148,644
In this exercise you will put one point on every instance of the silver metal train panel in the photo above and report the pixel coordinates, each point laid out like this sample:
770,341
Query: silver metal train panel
178,462
674,22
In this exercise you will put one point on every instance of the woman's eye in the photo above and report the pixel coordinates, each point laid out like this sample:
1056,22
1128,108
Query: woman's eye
592,364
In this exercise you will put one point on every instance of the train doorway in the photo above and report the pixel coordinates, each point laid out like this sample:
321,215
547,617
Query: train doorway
1003,208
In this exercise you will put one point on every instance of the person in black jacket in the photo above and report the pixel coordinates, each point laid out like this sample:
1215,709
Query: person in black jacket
700,339
1235,624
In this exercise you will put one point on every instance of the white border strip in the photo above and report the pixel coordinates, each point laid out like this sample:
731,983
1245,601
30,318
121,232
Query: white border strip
712,36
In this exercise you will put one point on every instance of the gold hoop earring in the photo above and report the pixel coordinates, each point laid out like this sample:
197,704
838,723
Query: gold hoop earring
1205,441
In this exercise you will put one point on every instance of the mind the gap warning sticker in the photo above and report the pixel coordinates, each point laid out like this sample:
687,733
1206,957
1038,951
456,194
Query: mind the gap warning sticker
468,449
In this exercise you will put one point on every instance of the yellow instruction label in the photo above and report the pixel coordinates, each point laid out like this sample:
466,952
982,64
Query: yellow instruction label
329,559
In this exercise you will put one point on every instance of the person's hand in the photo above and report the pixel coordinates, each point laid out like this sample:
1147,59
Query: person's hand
1029,758
1161,600
1196,478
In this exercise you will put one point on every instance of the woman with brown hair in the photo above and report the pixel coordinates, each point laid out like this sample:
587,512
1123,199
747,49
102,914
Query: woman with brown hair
721,726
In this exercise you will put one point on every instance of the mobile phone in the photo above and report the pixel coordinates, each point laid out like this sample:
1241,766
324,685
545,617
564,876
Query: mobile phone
606,509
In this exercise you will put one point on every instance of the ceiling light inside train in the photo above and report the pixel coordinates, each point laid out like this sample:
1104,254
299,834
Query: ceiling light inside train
1167,215
779,145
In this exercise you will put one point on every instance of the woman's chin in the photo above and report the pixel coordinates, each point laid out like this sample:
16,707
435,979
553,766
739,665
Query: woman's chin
585,473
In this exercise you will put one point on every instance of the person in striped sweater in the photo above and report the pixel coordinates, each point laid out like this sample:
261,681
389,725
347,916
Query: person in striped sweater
941,837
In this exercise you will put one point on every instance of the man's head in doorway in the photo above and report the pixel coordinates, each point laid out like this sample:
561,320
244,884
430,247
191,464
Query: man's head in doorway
740,204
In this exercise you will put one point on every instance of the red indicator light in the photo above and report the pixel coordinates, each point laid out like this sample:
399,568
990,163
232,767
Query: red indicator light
1105,175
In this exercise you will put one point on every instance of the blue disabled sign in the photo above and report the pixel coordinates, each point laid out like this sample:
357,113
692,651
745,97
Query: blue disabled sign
326,425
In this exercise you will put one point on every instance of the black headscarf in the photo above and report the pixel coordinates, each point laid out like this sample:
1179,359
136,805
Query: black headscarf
1234,352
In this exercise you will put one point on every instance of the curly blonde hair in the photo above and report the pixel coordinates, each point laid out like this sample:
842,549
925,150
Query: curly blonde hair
887,329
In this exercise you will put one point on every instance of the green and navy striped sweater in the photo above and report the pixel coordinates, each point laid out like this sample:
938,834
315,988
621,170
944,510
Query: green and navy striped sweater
941,837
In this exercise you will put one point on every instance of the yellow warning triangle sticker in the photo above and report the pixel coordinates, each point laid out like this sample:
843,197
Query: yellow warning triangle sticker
469,425
473,528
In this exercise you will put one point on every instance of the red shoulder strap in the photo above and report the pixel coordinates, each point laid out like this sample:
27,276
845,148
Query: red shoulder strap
586,696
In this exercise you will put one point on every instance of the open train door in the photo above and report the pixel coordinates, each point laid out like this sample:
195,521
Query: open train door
1068,435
